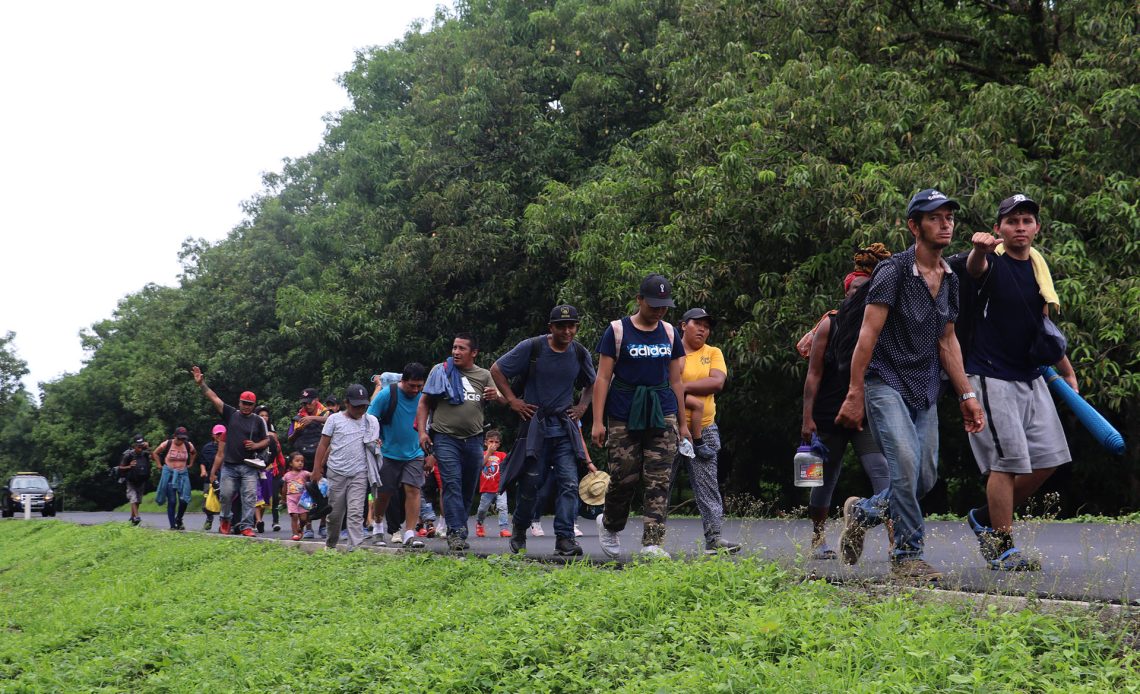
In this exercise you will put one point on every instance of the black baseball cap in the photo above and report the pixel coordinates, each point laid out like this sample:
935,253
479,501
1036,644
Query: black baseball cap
181,433
564,313
695,313
332,400
309,394
1015,201
355,395
138,440
657,291
928,200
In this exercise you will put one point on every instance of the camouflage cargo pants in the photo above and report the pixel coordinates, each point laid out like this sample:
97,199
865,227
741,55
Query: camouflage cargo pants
639,457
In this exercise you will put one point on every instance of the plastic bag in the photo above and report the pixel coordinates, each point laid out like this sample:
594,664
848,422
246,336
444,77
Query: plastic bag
213,504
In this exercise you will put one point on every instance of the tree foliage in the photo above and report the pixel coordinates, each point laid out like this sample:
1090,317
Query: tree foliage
521,153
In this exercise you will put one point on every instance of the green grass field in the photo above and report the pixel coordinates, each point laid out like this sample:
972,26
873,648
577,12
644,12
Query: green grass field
197,498
115,608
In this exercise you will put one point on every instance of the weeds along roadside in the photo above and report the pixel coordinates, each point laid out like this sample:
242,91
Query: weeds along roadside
113,607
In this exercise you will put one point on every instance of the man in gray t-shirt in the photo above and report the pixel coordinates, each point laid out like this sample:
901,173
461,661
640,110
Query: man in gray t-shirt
347,439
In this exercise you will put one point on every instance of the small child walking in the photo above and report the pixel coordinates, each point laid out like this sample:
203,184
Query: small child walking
294,483
489,486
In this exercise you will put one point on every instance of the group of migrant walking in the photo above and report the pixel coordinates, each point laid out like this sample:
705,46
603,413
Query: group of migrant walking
877,367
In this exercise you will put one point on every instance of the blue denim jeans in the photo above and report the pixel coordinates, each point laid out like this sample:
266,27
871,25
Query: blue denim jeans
908,439
460,461
235,477
500,500
560,463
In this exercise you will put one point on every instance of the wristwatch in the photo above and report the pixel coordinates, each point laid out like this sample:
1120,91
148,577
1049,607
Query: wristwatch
967,396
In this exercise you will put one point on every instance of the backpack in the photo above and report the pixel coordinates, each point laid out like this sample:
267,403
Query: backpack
390,410
519,385
618,329
141,471
844,334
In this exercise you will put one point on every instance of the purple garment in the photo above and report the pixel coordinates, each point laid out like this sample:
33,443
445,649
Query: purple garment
265,489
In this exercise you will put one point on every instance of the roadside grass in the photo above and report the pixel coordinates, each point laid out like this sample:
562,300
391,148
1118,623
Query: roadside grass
115,608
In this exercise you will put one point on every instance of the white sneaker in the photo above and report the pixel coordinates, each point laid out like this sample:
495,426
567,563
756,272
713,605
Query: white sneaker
610,542
577,531
654,552
396,539
410,540
536,529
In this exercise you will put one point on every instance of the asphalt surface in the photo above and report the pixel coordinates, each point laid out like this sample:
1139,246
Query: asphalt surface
1080,561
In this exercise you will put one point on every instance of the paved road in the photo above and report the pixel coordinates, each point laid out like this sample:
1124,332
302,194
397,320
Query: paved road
1080,561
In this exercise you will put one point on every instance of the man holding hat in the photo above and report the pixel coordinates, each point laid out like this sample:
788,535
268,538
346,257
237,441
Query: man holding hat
550,442
636,401
348,438
703,377
906,340
246,433
1024,443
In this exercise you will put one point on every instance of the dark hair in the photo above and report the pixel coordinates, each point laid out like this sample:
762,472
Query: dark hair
260,408
493,434
470,340
414,371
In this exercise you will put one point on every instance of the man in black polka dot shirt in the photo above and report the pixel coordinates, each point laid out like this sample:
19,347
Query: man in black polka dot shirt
907,338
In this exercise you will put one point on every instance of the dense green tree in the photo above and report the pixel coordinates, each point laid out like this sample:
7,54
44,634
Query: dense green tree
524,152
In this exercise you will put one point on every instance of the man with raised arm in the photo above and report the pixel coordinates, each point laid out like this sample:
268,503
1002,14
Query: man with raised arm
1024,442
246,434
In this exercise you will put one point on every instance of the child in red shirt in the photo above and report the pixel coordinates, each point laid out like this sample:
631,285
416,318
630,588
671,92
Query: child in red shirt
489,486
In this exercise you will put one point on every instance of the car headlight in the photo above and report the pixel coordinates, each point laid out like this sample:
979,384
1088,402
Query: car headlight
15,497
49,497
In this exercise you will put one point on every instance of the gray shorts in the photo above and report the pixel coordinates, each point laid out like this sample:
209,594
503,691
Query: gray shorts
1023,432
134,492
393,473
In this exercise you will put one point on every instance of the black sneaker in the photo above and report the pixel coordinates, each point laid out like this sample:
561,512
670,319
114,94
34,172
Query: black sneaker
517,543
260,527
566,547
718,545
455,543
136,520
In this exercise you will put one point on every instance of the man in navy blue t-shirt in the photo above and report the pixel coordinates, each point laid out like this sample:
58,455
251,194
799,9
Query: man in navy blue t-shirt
637,391
553,443
1024,442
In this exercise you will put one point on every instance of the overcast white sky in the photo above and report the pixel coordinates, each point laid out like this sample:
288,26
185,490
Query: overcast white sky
127,126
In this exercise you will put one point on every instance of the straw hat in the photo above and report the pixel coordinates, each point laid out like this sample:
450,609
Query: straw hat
593,488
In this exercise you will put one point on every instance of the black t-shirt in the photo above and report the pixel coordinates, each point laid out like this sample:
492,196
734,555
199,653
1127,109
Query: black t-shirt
239,429
206,457
1008,322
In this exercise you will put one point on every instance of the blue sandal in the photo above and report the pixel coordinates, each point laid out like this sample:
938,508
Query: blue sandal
987,539
1013,560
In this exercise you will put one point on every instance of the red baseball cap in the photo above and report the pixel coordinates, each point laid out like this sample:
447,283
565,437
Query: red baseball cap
248,396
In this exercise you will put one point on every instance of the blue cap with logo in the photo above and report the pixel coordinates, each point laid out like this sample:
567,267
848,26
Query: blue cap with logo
928,200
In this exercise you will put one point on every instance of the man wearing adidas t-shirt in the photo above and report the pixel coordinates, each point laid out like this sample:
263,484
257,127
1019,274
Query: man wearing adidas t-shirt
637,391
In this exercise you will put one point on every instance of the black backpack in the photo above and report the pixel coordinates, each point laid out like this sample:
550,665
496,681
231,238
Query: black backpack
390,410
519,384
141,471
